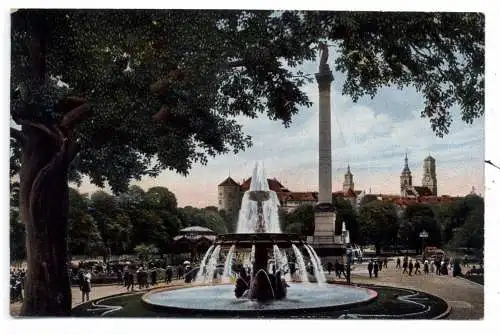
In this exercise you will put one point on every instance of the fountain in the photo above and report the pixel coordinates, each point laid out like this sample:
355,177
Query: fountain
270,286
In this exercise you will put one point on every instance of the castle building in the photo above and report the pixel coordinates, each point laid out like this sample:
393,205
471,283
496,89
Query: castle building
429,180
230,194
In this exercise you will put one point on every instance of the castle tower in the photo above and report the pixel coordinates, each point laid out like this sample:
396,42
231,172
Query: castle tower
430,180
348,181
405,179
229,197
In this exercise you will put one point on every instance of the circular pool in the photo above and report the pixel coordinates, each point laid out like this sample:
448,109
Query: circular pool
220,299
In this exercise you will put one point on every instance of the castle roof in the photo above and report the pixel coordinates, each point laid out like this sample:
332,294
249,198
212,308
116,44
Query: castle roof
229,182
350,193
274,185
298,196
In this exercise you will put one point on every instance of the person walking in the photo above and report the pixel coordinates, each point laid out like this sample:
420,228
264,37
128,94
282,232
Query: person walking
154,274
398,263
86,286
405,265
128,279
370,268
386,260
417,267
426,267
337,268
410,267
168,276
376,267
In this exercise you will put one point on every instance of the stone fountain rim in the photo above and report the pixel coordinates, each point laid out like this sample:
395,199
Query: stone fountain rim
250,312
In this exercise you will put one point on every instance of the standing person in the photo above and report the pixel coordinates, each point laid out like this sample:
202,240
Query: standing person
154,273
405,265
385,262
432,267
86,287
426,267
337,268
376,267
417,267
370,268
410,267
180,272
169,274
398,263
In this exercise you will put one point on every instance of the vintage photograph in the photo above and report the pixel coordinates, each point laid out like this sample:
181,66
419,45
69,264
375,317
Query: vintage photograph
253,164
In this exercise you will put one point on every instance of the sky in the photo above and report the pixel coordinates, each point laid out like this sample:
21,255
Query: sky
371,135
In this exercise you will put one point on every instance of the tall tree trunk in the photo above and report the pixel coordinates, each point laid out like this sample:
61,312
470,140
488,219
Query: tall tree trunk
44,210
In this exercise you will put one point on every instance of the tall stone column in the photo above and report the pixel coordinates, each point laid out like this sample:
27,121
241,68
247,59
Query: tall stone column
324,79
324,239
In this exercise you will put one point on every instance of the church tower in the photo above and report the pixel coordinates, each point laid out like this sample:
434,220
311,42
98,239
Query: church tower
348,181
430,180
405,179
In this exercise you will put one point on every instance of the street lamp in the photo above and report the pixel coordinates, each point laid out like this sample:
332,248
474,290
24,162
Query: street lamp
423,235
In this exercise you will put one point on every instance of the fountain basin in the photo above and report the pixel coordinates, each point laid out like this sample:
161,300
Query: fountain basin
246,240
259,195
220,300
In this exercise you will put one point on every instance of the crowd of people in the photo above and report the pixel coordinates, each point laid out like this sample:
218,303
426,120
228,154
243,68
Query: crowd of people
17,284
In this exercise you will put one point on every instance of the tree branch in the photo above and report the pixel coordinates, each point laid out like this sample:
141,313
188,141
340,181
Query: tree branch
40,126
18,135
75,116
72,151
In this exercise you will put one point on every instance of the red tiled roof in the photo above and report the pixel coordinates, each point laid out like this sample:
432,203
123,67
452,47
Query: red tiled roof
350,193
229,182
298,196
274,185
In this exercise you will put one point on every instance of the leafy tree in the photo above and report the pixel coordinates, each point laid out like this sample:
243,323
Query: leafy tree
379,223
440,54
113,222
194,71
300,221
366,199
465,228
84,235
419,217
346,213
471,233
191,216
230,220
145,252
160,198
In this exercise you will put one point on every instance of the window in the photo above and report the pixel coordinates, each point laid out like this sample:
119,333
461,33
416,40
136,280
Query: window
220,202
